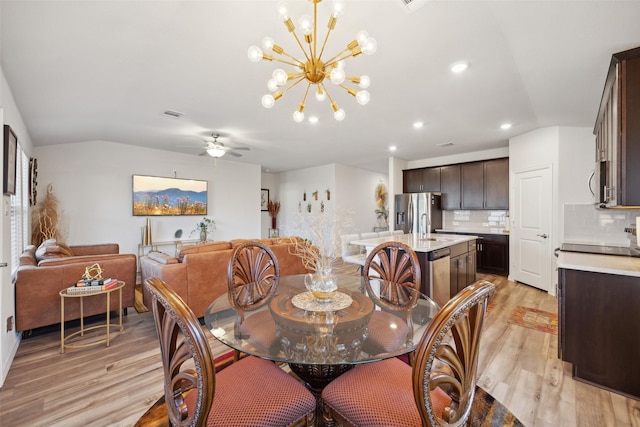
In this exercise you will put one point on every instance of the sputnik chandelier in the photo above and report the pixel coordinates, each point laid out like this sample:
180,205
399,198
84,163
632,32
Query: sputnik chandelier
313,69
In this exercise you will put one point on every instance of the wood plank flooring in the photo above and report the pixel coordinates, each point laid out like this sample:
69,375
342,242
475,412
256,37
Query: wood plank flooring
114,386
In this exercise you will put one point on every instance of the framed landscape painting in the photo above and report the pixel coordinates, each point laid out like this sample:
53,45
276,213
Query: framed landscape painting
154,195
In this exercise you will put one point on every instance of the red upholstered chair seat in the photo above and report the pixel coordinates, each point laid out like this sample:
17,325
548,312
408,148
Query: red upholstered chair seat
388,386
381,338
252,379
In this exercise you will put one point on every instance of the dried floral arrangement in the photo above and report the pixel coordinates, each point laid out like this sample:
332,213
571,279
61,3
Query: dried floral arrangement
320,232
273,208
45,219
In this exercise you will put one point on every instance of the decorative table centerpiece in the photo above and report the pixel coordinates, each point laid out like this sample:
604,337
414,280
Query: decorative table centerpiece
204,227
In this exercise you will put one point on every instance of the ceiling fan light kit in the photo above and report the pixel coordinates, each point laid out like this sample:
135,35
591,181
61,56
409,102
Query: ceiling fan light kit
313,69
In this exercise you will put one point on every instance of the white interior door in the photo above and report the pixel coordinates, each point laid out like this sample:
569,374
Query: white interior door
531,228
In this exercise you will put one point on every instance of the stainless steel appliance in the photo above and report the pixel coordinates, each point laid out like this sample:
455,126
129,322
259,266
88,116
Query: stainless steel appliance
439,275
418,212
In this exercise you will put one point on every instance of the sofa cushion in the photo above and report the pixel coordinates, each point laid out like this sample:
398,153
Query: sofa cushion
52,249
162,258
202,247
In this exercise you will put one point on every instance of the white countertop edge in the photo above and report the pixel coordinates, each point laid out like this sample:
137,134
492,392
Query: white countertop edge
474,231
608,264
417,243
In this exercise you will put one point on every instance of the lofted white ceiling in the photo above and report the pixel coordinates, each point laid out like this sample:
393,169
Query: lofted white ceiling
107,70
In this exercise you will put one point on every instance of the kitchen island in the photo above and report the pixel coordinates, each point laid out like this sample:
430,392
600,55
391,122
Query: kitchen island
599,319
447,262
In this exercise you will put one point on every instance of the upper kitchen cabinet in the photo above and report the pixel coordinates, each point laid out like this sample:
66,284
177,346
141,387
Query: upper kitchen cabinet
485,185
450,187
617,131
421,180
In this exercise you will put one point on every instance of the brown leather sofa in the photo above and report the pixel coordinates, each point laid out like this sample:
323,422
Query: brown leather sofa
44,271
199,272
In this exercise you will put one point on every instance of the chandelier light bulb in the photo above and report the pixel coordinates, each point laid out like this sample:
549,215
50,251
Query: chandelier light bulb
339,65
272,85
298,116
254,53
337,76
306,24
338,8
339,115
268,101
362,37
365,81
363,97
280,76
370,46
320,94
282,10
267,43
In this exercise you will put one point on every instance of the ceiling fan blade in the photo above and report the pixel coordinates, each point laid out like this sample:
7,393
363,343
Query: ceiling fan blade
240,148
234,154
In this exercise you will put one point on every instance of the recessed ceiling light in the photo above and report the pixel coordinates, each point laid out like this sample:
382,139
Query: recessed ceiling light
173,114
393,148
313,119
459,67
505,126
418,125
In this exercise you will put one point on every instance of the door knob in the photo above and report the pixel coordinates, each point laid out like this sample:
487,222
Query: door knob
544,236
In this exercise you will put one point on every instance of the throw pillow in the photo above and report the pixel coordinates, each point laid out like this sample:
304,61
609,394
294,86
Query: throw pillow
52,249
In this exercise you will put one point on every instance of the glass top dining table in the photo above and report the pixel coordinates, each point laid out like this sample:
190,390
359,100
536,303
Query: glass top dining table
320,340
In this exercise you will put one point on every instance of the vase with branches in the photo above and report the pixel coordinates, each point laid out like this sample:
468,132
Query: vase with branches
273,208
318,245
204,227
45,219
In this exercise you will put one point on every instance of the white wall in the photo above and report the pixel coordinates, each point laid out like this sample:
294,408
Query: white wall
471,156
571,153
351,189
9,341
93,184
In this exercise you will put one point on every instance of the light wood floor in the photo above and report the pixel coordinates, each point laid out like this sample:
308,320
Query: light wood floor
114,386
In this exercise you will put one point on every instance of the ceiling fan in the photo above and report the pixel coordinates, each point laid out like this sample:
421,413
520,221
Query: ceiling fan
218,149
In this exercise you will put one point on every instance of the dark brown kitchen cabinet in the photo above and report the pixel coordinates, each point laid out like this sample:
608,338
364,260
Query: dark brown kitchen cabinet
462,266
599,328
485,185
472,175
617,131
493,254
496,184
421,180
450,187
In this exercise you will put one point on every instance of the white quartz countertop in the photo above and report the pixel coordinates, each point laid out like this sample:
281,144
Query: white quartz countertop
610,264
417,242
498,231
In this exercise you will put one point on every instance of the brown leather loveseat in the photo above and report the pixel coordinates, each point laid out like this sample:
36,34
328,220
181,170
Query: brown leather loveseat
44,271
199,272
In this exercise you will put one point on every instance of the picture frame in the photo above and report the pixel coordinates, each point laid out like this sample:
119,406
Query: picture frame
10,158
264,200
160,196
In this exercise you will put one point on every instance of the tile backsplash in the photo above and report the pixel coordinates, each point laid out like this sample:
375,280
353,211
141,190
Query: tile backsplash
493,221
586,224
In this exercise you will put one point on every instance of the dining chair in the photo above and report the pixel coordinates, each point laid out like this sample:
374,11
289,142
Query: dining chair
253,276
437,391
250,392
392,278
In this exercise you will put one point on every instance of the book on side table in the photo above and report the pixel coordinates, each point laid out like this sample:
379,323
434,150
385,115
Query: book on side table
86,286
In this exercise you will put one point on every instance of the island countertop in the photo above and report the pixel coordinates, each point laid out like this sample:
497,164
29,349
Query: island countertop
417,242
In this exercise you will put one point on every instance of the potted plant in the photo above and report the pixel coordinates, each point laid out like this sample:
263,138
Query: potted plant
204,227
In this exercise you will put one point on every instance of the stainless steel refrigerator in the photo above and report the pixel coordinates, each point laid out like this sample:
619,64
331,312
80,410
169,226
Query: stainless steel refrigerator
418,212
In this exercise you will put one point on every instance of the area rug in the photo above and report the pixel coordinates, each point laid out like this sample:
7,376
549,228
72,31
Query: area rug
156,416
535,319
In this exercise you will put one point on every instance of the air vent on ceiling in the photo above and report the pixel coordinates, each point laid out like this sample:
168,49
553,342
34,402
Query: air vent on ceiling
413,5
173,114
445,144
